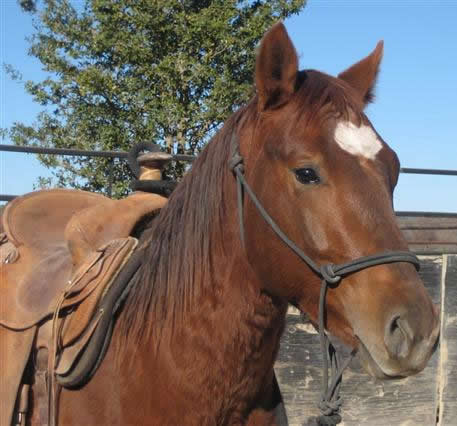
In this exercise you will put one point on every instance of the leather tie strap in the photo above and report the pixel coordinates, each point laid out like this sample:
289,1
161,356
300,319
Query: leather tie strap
330,274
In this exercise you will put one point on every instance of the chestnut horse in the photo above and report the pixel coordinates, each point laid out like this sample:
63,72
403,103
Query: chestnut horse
197,337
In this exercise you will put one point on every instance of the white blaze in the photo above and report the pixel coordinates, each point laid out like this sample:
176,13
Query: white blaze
360,141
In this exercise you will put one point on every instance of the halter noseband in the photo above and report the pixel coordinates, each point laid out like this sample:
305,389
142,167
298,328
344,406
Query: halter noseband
330,401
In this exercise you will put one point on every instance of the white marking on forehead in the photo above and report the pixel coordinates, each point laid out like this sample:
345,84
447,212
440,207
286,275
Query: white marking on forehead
360,141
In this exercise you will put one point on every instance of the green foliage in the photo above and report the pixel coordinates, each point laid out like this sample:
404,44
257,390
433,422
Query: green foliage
125,71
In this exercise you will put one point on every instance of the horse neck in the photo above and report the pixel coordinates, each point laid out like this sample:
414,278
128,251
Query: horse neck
234,287
235,300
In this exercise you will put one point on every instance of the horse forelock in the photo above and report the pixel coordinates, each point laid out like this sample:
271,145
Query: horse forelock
320,96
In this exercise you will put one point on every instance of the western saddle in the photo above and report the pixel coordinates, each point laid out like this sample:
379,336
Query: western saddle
61,254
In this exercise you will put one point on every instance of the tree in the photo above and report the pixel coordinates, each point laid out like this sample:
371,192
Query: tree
125,71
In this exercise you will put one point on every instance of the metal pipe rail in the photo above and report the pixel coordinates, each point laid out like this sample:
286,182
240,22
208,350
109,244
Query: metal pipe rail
428,171
79,152
122,155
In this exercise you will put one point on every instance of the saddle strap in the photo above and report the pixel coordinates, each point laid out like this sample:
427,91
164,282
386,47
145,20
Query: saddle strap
41,396
23,406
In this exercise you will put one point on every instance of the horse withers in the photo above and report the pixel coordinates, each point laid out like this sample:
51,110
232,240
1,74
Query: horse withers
197,337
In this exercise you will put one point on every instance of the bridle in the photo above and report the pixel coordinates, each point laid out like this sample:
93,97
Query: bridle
332,274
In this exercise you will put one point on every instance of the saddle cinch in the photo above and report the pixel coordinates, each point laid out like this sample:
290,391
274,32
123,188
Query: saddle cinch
60,252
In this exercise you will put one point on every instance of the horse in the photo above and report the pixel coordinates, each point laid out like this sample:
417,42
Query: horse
196,339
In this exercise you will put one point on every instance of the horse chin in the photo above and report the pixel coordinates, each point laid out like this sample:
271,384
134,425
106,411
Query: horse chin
374,368
370,366
363,360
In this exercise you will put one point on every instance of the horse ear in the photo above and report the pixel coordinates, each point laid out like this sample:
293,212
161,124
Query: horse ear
276,68
362,75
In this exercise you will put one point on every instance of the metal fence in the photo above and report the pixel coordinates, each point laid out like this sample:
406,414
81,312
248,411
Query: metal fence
122,155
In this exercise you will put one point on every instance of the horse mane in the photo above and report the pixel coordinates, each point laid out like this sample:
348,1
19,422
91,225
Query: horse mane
178,247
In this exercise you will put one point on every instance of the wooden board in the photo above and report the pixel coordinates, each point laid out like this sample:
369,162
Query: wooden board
448,361
411,401
428,232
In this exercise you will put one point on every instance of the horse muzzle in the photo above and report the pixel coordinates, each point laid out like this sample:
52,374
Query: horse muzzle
405,350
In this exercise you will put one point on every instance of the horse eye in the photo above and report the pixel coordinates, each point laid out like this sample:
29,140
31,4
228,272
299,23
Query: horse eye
307,175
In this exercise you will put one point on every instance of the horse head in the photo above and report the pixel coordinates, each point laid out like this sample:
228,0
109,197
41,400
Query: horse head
327,178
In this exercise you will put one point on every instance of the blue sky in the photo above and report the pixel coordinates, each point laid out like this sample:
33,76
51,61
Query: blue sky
415,110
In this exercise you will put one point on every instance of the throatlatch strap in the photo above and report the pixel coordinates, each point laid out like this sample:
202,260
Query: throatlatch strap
330,401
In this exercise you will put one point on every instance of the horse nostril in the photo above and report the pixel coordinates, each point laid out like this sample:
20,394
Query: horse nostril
398,337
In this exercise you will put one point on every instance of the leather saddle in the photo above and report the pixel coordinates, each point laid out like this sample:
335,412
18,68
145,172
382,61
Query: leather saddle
60,254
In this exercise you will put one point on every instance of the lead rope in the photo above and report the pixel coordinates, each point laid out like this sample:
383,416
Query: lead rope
330,402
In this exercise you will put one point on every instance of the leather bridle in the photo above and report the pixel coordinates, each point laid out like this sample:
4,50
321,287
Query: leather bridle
330,401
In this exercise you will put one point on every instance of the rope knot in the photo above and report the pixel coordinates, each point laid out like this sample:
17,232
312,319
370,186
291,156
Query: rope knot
330,412
329,275
330,408
236,163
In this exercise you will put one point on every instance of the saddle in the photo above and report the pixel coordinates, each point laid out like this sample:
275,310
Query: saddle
60,254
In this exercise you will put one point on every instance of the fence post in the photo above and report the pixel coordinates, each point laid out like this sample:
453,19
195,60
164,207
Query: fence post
109,191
